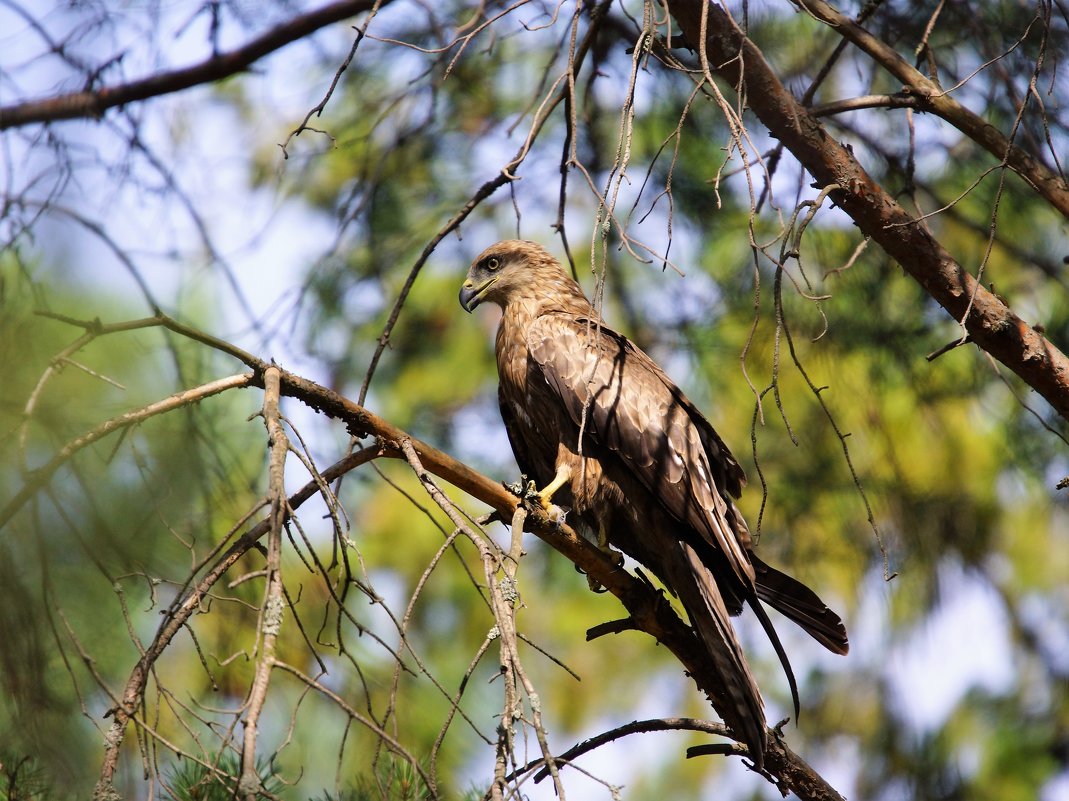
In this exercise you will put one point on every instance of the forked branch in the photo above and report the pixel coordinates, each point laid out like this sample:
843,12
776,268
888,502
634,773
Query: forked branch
986,317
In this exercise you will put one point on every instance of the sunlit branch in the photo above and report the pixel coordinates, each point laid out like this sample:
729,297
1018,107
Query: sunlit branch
634,727
938,101
94,102
270,622
990,322
900,100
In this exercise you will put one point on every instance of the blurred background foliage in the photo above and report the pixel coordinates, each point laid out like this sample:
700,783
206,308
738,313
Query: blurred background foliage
956,684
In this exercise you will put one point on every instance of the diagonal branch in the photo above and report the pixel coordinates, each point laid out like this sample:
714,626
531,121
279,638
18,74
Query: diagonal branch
94,102
649,611
39,477
930,96
991,323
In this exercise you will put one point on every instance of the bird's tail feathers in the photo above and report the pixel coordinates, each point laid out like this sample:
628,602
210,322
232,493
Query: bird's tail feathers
743,708
770,630
795,600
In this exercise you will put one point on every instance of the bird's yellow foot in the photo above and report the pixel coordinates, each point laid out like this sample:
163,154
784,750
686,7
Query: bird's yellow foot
527,491
545,495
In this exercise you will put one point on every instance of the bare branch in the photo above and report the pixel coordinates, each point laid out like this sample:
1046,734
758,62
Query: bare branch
94,102
38,477
990,322
932,97
271,612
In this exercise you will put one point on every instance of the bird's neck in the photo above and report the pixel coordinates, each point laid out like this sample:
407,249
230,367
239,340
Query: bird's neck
556,296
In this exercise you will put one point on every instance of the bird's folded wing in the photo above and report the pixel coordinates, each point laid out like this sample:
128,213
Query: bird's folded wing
624,403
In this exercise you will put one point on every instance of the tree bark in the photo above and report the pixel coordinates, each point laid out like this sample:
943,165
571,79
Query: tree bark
992,325
94,102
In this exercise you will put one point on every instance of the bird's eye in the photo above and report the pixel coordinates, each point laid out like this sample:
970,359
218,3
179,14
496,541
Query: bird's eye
493,263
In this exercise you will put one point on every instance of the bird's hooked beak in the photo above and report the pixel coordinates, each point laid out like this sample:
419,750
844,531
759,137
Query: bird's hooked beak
472,295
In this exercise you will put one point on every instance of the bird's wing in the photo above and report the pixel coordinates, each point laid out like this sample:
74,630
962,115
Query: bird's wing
623,402
516,440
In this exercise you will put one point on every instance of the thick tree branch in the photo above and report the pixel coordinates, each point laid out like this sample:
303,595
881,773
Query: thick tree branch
94,102
932,97
992,325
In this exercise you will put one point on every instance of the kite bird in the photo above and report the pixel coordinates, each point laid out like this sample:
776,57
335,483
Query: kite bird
602,429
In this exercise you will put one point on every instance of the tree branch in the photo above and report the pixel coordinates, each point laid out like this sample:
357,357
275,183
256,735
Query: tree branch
991,323
646,605
932,97
40,476
270,622
94,102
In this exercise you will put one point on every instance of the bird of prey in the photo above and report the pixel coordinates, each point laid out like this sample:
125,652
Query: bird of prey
601,428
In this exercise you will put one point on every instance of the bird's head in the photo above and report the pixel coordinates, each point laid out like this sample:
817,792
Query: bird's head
508,270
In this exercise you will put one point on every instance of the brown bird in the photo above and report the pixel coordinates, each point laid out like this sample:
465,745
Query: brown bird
602,429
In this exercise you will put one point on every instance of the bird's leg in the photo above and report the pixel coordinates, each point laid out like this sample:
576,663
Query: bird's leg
545,495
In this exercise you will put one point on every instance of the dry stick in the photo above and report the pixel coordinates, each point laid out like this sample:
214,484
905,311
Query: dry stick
503,598
634,727
938,101
317,110
992,324
129,702
271,614
38,477
93,103
511,565
501,608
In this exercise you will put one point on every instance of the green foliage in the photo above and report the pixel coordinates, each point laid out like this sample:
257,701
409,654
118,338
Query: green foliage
22,779
215,781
